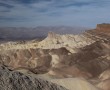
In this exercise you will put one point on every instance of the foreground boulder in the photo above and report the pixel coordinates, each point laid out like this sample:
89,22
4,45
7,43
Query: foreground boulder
11,80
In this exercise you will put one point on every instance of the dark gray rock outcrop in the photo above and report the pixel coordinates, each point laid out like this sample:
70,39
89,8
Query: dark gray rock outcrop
11,80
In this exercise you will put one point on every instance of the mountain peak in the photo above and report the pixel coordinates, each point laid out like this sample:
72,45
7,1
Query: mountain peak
51,34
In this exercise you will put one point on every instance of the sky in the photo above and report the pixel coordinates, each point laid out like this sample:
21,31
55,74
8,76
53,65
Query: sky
32,13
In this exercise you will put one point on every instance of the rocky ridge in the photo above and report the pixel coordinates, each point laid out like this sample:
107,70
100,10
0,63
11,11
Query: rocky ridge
69,41
62,56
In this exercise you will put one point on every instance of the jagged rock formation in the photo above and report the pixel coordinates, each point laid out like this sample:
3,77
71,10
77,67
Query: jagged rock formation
40,61
11,80
88,50
32,59
93,58
18,45
71,42
62,56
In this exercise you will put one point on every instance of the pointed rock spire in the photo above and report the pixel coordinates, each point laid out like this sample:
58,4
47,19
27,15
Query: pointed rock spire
52,34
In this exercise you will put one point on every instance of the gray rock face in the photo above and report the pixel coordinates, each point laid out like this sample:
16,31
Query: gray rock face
11,80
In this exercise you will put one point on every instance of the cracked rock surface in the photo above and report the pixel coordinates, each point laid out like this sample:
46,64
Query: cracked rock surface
11,80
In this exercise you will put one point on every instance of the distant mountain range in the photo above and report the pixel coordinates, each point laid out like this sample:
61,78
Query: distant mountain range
24,33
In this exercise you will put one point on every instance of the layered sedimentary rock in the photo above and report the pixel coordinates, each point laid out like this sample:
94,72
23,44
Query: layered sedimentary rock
85,55
103,28
88,50
35,60
69,72
71,42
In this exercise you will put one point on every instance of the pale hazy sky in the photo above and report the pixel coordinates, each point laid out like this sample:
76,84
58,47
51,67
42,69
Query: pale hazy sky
34,13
